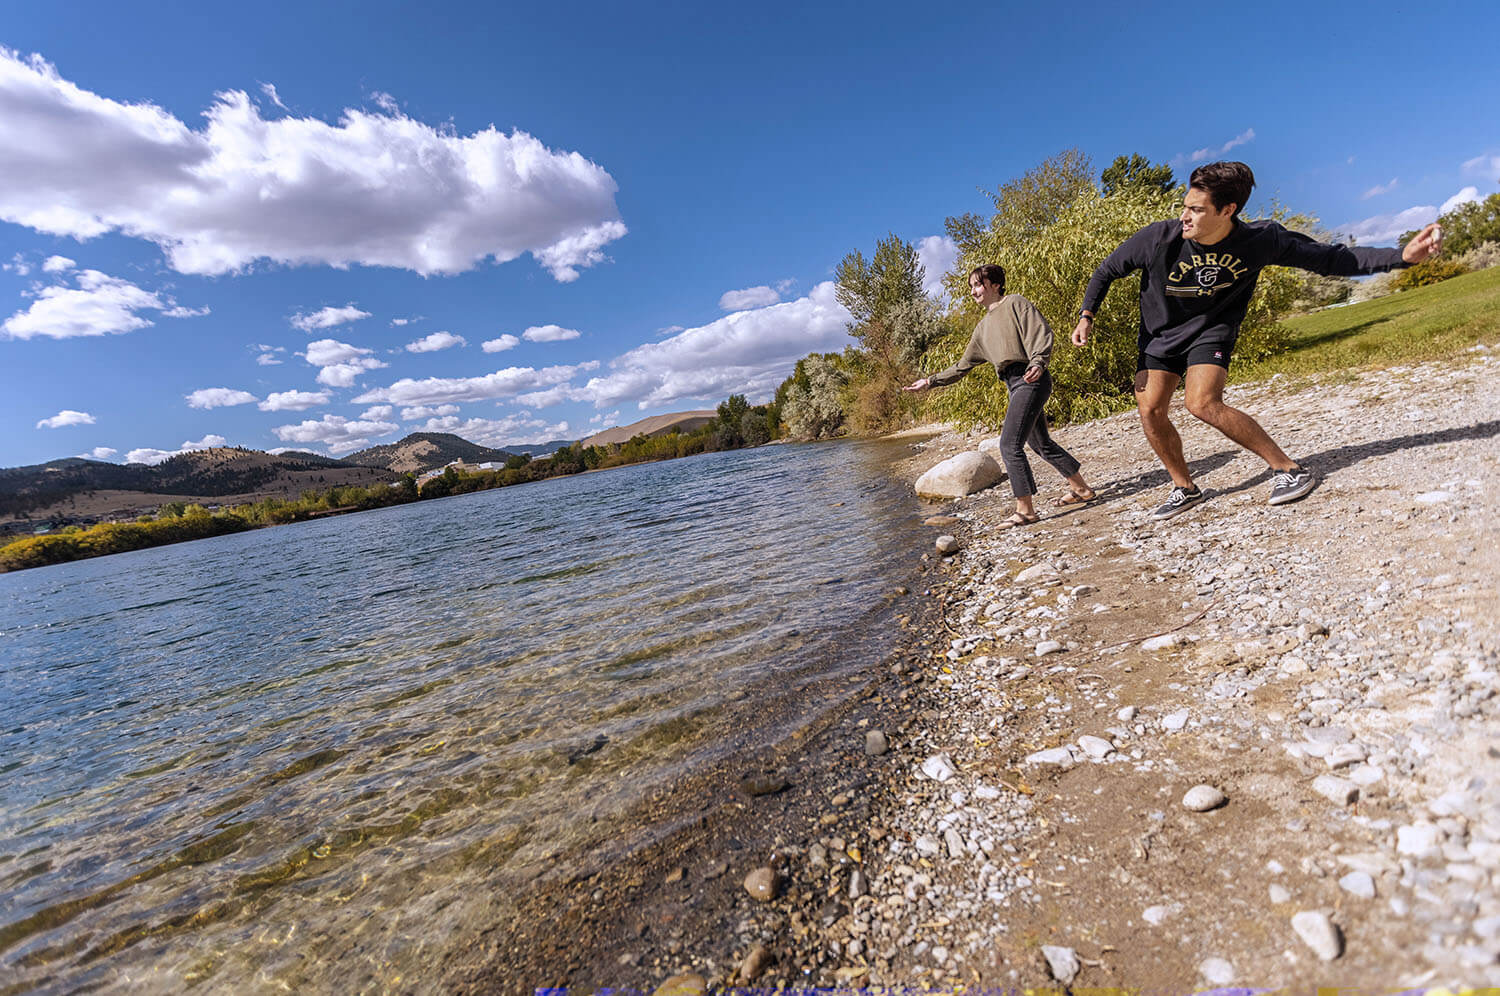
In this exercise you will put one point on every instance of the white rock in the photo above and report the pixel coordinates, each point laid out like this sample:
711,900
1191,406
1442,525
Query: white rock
1434,497
1279,894
986,793
927,847
1366,775
955,843
1358,883
1418,840
1096,747
1202,798
1319,933
1172,722
947,544
1126,714
1162,642
1336,789
1216,971
1048,647
1061,962
1052,755
960,475
1157,915
1343,755
939,767
1034,573
991,447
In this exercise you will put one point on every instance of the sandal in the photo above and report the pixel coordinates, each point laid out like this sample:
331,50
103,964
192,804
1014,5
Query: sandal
1018,519
1076,498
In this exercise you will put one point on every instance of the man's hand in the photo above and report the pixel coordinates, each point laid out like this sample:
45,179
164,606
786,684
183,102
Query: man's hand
1424,245
1080,335
1032,375
918,385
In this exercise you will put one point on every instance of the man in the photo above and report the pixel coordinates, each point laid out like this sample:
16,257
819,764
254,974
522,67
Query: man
1197,277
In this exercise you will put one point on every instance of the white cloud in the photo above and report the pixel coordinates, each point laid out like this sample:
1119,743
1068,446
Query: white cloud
498,432
750,297
327,318
415,412
549,333
218,397
99,305
505,383
1485,166
152,457
99,453
1385,229
937,254
66,417
269,89
1378,189
293,401
436,341
500,345
341,363
1243,137
375,189
748,352
376,413
57,264
554,396
181,312
17,265
1464,196
398,322
339,434
267,357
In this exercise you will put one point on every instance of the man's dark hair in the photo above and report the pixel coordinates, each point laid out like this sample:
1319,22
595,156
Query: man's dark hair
1224,183
990,273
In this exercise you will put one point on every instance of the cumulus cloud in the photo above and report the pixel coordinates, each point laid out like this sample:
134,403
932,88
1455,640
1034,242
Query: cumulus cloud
98,305
17,265
748,352
327,318
1485,166
1378,189
937,254
498,432
1464,196
376,413
57,264
293,401
339,434
153,457
750,297
500,345
554,396
549,333
415,412
1385,229
436,341
1248,135
64,418
374,189
505,383
219,397
99,453
341,363
267,357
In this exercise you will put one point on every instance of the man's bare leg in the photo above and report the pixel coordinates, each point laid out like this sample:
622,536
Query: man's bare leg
1204,392
1153,398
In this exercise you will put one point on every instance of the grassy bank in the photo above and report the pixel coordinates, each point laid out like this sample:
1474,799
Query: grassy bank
1428,323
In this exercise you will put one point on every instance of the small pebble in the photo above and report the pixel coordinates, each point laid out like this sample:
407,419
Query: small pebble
1319,933
1202,798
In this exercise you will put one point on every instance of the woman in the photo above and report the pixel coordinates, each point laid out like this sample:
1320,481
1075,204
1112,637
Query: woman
1015,337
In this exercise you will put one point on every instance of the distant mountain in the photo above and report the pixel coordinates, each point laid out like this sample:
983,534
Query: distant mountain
656,425
424,451
210,473
539,449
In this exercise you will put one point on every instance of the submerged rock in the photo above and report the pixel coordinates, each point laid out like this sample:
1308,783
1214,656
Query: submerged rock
686,984
761,884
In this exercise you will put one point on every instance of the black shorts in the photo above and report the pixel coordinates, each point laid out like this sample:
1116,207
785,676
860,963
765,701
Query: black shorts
1216,352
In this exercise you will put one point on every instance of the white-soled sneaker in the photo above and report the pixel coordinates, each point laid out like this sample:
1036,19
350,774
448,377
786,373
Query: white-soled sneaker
1289,485
1180,500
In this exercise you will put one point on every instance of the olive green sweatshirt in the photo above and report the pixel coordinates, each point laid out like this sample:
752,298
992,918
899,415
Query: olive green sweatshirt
1013,331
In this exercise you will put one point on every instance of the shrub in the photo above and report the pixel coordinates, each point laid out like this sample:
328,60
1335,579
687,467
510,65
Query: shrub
1432,271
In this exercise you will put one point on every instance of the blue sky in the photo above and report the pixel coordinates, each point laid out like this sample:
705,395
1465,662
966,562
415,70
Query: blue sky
326,225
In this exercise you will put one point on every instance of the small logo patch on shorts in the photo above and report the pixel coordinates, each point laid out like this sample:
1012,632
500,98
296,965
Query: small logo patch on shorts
1218,355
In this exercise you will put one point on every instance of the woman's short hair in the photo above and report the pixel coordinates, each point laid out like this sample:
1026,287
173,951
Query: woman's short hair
990,273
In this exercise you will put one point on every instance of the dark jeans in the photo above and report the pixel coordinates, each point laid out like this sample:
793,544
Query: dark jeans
1026,424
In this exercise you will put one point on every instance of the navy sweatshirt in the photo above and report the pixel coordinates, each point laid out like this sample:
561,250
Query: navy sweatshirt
1192,293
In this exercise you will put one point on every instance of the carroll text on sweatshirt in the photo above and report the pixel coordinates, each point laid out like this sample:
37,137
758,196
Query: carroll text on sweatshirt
1013,331
1192,292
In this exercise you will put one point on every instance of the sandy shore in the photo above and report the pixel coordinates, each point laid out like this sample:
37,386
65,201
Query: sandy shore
1329,668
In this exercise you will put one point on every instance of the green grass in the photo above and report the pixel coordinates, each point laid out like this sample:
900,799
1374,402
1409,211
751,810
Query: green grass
1428,323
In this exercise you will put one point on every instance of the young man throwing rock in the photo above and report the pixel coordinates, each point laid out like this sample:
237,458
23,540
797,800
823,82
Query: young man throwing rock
1197,275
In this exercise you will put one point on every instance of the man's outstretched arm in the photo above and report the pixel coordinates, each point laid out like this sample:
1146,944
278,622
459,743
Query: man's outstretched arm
1352,261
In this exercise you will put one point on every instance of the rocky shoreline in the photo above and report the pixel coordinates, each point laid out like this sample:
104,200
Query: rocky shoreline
1246,746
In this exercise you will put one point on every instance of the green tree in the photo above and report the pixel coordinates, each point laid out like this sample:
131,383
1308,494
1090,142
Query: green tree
754,428
813,408
1470,225
1135,172
870,290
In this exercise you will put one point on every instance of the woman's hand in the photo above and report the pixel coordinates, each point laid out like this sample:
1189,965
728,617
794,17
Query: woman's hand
1032,375
918,385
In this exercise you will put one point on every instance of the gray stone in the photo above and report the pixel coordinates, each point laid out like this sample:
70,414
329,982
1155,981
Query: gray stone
1336,789
1095,747
1036,572
1344,755
1048,647
1061,962
939,767
1202,798
1358,883
1172,722
1052,755
1126,714
1164,642
927,847
955,843
857,884
876,742
1319,933
960,475
946,544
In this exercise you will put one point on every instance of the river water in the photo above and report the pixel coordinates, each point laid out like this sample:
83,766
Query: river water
321,756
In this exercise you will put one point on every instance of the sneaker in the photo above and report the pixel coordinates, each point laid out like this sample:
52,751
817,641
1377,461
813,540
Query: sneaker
1180,500
1289,485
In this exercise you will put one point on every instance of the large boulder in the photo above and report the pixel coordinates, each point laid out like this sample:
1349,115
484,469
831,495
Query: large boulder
960,475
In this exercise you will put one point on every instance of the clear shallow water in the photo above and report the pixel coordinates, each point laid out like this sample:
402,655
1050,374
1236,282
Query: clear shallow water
324,755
